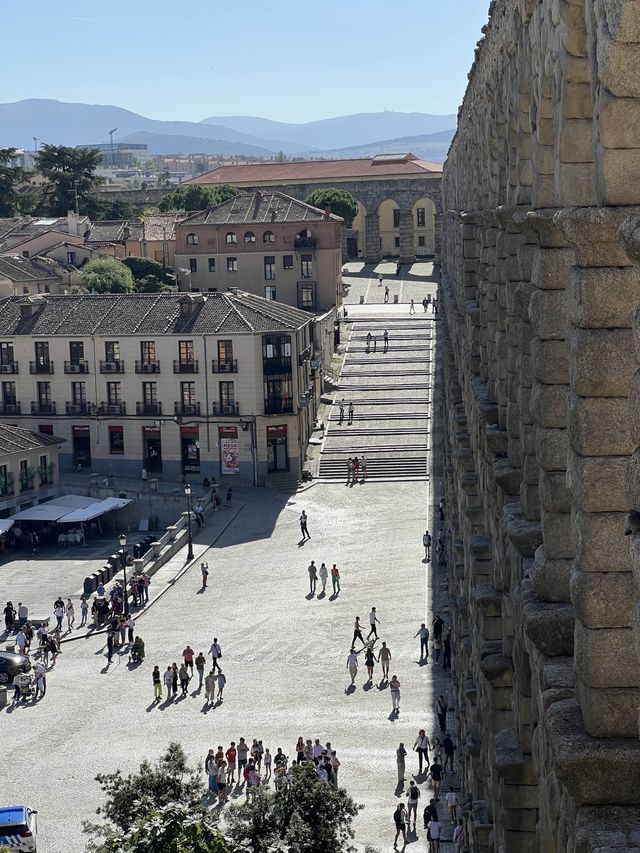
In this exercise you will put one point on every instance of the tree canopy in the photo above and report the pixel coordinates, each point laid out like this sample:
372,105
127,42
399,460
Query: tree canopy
107,275
69,171
10,175
341,203
197,197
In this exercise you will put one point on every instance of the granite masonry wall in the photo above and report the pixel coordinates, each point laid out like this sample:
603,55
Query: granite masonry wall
541,298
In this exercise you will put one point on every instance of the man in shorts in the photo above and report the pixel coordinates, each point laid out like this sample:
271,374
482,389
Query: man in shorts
352,664
384,658
413,795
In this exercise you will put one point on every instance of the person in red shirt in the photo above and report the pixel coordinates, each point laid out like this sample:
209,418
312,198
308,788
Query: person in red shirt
231,755
187,656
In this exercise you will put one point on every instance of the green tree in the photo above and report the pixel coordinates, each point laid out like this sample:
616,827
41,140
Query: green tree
197,197
341,203
307,816
107,275
69,171
10,175
144,267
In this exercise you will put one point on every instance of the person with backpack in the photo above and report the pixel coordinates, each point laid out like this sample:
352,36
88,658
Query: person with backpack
413,795
433,835
399,821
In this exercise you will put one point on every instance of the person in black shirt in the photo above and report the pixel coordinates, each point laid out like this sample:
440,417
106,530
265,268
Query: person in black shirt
438,627
430,812
436,776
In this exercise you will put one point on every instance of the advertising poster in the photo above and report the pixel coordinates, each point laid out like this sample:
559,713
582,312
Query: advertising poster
230,455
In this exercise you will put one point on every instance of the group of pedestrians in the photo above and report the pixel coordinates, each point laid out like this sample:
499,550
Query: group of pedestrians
356,466
372,342
322,574
341,413
179,676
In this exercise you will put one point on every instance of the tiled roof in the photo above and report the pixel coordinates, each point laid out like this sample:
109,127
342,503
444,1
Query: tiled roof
19,268
258,208
15,439
107,231
149,314
159,227
316,170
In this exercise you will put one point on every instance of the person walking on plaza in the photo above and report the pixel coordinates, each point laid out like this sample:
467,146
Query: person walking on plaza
452,804
368,340
110,644
216,652
435,771
187,657
352,664
441,710
373,619
231,756
222,680
157,684
369,660
23,613
9,617
384,657
412,308
363,465
204,571
356,468
386,294
40,674
434,829
438,626
385,339
401,754
183,675
425,304
303,526
200,665
335,579
459,837
58,612
446,650
423,633
210,687
449,749
437,649
84,611
375,343
350,421
394,684
413,795
175,677
399,821
380,280
324,577
422,747
426,542
357,632
313,577
349,469
341,410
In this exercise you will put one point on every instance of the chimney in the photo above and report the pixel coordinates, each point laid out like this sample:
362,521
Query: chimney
73,223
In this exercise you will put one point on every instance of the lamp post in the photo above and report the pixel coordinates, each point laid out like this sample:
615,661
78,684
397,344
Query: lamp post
187,491
122,539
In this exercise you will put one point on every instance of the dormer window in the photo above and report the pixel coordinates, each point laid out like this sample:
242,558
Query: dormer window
230,237
192,239
249,237
269,237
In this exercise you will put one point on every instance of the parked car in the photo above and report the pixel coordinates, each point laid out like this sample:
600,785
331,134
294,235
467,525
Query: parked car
18,828
11,663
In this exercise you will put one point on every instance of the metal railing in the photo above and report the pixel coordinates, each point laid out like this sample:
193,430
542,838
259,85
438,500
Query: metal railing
147,367
229,365
185,366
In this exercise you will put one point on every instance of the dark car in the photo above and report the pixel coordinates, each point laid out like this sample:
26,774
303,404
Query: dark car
11,663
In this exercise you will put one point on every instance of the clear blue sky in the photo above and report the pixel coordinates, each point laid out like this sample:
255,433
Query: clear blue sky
285,60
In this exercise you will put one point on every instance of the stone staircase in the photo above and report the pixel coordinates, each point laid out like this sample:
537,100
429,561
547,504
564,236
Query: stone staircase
391,395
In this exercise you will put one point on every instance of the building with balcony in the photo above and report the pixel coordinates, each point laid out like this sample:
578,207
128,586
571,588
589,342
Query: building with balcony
28,468
181,384
268,244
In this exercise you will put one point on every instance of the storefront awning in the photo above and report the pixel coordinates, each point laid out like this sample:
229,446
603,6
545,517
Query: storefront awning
94,510
5,525
43,512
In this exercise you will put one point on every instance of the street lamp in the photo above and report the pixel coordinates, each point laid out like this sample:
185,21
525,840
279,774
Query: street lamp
187,491
122,539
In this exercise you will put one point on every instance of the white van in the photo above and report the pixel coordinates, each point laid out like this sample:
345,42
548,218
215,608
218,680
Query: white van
18,828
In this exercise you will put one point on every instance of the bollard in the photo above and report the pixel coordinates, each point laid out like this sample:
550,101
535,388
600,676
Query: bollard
3,696
90,585
395,298
361,300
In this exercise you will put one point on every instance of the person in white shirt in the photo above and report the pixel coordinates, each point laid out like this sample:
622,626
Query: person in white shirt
434,828
21,641
198,511
168,679
452,805
459,838
23,613
372,622
216,652
352,665
71,614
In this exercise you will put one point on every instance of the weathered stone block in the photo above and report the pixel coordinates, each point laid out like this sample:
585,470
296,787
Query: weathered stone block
601,362
548,314
550,268
600,543
603,297
615,165
618,64
550,627
550,577
633,481
575,184
575,141
548,405
552,446
609,713
617,121
603,599
597,483
600,426
605,657
577,101
558,535
554,495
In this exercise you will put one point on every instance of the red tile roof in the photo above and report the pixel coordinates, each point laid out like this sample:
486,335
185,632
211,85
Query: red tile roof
315,170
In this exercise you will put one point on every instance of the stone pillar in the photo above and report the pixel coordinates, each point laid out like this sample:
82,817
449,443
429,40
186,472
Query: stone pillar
407,248
601,367
372,238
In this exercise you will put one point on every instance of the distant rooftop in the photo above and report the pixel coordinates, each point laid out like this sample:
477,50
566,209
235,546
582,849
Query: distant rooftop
259,208
14,439
19,268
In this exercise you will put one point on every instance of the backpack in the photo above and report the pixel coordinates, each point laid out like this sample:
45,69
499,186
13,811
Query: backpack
414,793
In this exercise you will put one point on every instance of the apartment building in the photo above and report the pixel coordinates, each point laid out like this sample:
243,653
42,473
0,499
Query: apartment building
180,384
269,244
28,468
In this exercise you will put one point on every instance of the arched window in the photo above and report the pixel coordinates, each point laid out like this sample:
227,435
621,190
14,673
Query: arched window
192,239
268,237
249,237
230,237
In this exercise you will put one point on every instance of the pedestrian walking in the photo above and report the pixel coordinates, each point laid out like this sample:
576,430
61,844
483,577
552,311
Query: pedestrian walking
441,710
58,612
350,421
446,650
267,765
204,570
341,410
228,503
157,684
459,837
423,633
231,755
211,769
40,675
222,680
375,343
438,626
434,829
144,587
452,805
216,653
313,577
435,771
441,508
385,339
449,749
222,782
130,623
243,752
210,687
373,619
200,665
356,467
386,294
175,677
335,579
363,465
23,614
412,308
349,469
380,281
84,611
401,754
422,746
187,657
398,269
183,675
413,795
394,685
352,664
357,632
426,542
35,543
369,661
384,658
324,577
303,526
21,641
110,643
399,821
71,615
368,340
434,306
437,649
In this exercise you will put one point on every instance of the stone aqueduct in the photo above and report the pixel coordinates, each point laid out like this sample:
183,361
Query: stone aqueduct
541,412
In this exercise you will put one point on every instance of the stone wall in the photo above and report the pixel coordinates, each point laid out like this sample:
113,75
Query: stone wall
541,298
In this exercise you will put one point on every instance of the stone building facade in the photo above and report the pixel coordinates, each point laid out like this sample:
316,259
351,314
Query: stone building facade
541,288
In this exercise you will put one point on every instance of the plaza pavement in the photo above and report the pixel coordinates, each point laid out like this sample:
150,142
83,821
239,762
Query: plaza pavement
284,656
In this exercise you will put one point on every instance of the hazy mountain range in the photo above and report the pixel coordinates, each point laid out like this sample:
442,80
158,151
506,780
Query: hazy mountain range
358,135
